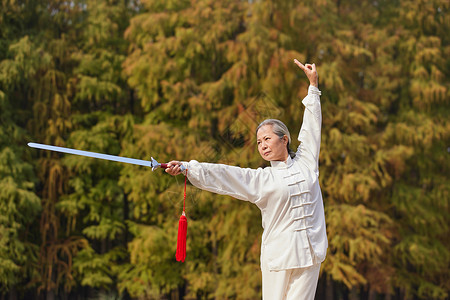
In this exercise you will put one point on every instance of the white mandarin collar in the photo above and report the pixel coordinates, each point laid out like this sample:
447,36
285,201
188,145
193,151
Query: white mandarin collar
282,164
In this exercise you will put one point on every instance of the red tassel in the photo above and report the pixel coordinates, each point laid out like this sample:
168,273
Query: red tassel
182,230
181,243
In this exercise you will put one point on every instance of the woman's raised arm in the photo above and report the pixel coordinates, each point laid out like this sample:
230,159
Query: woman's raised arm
310,133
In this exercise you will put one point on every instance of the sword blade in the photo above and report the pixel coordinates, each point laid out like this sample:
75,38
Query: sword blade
126,160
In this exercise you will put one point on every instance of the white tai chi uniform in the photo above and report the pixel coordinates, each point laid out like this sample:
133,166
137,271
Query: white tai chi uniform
294,242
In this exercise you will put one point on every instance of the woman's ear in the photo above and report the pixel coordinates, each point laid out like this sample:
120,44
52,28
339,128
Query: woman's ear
285,140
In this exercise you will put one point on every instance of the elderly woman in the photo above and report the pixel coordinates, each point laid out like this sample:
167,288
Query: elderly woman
294,242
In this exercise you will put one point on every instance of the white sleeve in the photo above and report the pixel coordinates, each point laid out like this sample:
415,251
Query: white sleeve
241,183
310,132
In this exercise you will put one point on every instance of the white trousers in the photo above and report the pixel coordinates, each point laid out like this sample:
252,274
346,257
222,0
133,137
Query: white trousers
293,284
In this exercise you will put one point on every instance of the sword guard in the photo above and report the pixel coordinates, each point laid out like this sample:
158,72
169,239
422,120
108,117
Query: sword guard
156,165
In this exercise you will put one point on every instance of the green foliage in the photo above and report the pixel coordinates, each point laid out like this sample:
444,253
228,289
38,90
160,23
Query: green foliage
19,204
152,270
97,270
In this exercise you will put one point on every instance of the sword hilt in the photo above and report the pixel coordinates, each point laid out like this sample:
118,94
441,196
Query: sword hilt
155,165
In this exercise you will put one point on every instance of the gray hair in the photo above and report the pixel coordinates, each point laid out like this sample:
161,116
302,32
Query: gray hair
280,130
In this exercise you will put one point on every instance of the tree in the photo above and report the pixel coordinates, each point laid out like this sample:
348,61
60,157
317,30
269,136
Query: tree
19,204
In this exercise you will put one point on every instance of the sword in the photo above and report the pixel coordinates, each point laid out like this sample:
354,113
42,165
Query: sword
152,163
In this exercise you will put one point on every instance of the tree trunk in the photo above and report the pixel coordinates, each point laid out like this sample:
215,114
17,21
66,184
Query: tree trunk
12,293
372,295
354,293
50,295
329,292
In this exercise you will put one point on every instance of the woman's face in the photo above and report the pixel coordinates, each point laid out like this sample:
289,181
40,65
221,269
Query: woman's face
270,146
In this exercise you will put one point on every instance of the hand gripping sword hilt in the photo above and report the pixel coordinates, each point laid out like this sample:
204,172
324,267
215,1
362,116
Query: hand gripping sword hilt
156,165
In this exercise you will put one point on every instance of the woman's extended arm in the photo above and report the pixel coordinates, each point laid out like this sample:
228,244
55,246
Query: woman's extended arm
241,183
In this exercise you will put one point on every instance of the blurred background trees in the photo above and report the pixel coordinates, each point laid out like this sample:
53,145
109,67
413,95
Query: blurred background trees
192,80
